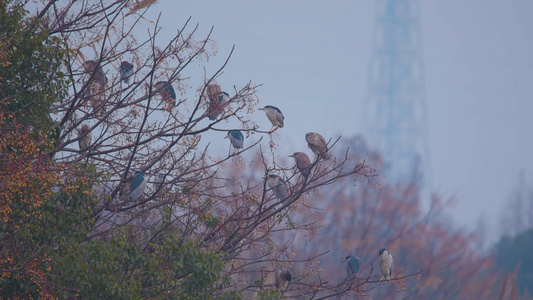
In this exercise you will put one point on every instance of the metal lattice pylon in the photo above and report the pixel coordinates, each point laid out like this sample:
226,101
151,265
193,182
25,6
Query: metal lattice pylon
395,112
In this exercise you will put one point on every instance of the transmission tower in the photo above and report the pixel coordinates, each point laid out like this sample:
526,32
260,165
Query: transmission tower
396,113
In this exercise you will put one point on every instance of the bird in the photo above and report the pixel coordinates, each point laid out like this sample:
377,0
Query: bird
280,190
303,163
352,265
167,93
96,85
212,91
99,77
216,106
274,115
126,69
386,264
217,100
236,138
85,136
137,185
159,187
283,279
317,144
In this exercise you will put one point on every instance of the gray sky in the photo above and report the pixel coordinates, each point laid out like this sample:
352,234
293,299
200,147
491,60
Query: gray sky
313,57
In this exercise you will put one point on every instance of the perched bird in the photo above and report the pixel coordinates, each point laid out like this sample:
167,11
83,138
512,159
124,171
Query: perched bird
217,100
95,70
386,264
217,105
126,69
96,86
158,186
213,90
283,279
317,144
236,138
274,115
352,266
303,163
85,136
137,185
167,93
278,185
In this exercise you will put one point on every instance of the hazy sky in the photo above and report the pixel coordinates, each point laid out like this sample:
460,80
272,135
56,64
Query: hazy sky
313,57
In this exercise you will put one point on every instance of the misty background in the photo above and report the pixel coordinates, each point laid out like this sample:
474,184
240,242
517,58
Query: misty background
312,59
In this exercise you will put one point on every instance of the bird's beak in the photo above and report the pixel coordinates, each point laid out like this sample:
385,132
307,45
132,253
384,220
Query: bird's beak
291,155
262,108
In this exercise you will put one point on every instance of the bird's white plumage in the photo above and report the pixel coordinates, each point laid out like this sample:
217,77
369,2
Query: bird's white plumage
386,264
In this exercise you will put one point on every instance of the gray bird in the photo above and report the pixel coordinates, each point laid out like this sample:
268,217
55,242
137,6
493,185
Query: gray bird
352,265
98,77
317,144
167,93
85,136
236,138
283,279
126,69
386,264
137,185
96,86
217,100
303,163
274,115
158,185
278,185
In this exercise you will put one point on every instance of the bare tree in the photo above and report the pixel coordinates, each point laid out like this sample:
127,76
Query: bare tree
134,107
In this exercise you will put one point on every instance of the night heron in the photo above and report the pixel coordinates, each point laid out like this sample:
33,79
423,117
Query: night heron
236,138
274,115
317,144
126,69
386,264
303,163
278,186
217,100
137,185
167,93
97,84
158,185
85,136
352,265
283,279
94,70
